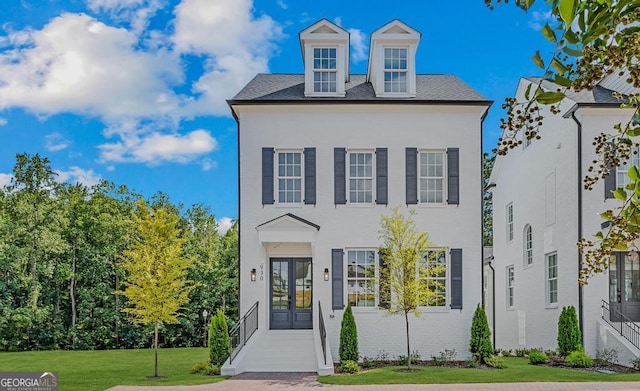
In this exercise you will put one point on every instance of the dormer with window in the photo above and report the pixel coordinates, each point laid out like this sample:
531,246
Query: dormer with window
392,60
325,51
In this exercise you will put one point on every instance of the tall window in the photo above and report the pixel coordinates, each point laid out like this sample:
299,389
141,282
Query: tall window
395,70
528,245
435,277
361,177
510,222
622,172
552,278
324,70
361,275
510,287
432,177
289,177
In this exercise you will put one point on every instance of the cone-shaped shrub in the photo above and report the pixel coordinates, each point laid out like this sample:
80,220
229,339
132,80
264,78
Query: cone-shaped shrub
569,336
218,339
480,335
348,337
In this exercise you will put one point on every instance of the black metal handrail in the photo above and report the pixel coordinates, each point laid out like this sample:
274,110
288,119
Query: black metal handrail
243,330
323,334
627,328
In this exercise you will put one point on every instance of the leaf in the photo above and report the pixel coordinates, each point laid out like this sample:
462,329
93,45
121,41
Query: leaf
562,81
558,66
621,246
538,60
599,235
572,52
548,33
549,98
633,132
567,11
635,120
634,174
620,194
527,92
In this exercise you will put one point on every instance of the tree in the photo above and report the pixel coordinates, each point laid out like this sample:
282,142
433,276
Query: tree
156,286
348,337
593,40
219,344
569,336
409,260
480,344
487,200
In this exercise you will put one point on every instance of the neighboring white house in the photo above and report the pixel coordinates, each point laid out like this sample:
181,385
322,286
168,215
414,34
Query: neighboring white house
322,156
540,211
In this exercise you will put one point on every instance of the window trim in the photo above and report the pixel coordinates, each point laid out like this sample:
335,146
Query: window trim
315,70
624,169
447,282
376,287
548,279
527,241
372,152
509,219
276,177
444,177
511,287
386,70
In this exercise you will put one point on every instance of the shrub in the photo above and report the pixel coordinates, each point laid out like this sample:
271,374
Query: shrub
415,356
219,345
349,366
537,357
205,368
606,356
480,335
569,336
444,358
635,363
348,337
473,362
579,359
522,352
494,361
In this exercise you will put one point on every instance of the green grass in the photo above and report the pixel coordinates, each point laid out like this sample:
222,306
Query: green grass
516,370
102,369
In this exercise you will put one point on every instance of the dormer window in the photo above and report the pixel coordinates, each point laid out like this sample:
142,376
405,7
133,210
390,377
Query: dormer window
395,70
324,69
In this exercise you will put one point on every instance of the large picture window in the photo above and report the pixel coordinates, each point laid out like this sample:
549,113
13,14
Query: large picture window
324,69
431,179
395,70
361,277
434,275
360,177
289,177
552,279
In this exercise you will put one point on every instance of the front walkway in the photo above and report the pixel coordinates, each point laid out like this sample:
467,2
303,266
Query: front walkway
307,381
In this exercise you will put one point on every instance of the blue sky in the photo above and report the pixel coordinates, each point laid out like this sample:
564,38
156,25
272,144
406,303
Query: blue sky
133,91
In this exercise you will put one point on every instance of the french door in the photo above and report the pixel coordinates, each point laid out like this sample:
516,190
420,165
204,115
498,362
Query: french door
624,286
291,282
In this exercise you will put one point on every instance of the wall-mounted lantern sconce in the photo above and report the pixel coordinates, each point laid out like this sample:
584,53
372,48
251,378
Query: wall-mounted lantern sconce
634,253
326,274
253,274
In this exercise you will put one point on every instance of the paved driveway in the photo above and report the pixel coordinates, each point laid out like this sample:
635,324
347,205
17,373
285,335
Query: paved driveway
307,381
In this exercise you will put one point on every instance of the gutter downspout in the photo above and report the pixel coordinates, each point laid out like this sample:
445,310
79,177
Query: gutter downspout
493,302
484,115
580,290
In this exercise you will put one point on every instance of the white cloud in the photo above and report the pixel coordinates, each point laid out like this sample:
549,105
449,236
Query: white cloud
208,164
338,20
539,19
358,45
5,179
282,4
155,147
3,121
78,175
224,224
55,142
135,12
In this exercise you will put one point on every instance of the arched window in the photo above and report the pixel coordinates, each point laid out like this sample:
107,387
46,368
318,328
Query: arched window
528,245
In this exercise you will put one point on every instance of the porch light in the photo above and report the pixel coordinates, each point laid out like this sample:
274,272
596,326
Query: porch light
326,274
253,274
634,253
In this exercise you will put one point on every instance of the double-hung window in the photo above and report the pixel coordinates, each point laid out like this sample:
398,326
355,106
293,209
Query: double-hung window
510,222
528,245
433,272
552,279
622,172
431,177
361,277
324,69
395,70
360,177
289,182
510,287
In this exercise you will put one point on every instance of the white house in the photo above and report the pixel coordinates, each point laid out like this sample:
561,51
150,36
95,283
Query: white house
322,156
541,210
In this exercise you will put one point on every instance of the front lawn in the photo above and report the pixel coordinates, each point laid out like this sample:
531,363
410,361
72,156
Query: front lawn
516,370
101,369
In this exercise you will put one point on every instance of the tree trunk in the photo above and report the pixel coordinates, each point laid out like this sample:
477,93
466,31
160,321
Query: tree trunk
115,271
72,288
406,320
155,347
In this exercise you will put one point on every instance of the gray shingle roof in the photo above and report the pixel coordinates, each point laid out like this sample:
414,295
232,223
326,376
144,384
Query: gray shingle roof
288,87
599,94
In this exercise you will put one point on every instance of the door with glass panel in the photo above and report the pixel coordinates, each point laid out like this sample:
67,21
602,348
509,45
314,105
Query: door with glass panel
291,281
624,286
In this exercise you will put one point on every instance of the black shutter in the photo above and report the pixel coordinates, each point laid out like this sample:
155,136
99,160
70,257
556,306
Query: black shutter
381,176
456,278
337,287
610,181
385,290
339,176
310,176
267,176
411,175
453,176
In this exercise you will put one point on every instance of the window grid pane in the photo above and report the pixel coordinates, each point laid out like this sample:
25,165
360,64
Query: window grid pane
528,243
622,177
361,273
509,222
361,177
552,279
431,179
289,177
324,66
435,281
395,70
